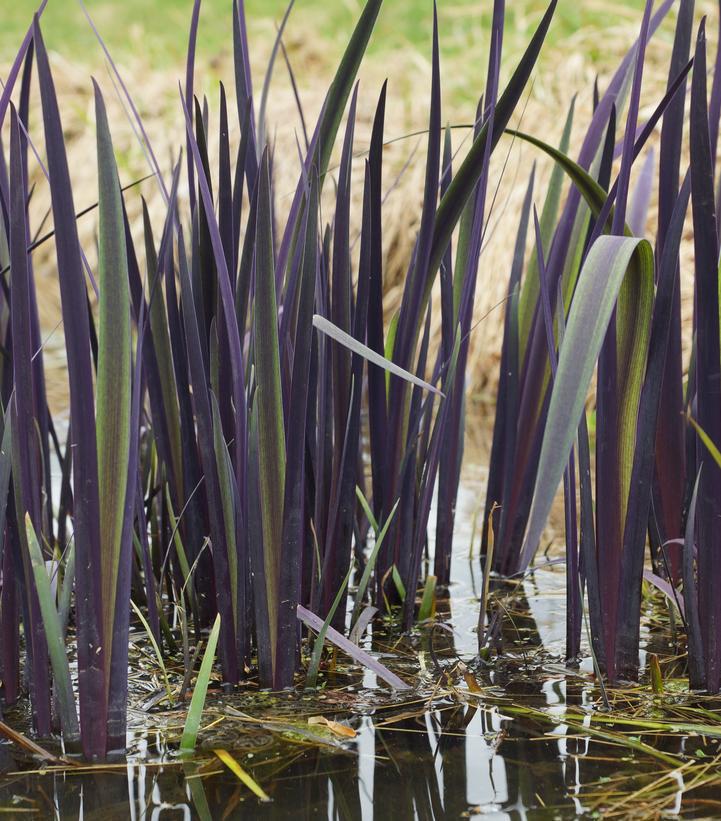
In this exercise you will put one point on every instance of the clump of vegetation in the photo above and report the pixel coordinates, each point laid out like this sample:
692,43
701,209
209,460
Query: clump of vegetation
212,471
596,293
214,450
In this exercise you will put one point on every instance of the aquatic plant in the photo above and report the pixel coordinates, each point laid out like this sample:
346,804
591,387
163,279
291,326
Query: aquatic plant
221,373
601,298
213,465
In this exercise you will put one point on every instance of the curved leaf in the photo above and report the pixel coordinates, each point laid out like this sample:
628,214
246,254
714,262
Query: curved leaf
612,264
530,288
590,190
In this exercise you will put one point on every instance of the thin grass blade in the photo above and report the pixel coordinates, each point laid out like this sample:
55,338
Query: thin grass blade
197,702
54,636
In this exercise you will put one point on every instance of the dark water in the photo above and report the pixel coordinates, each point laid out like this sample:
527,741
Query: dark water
443,752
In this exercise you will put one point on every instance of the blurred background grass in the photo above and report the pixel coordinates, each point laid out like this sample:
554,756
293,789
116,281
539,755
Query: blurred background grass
158,28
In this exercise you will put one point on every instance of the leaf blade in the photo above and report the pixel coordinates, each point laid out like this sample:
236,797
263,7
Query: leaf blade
113,390
197,702
596,293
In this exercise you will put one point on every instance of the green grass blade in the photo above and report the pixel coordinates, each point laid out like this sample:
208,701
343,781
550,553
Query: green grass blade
370,564
163,352
590,190
197,702
390,345
367,510
156,649
398,582
245,777
634,298
194,781
314,664
54,637
428,602
706,439
183,563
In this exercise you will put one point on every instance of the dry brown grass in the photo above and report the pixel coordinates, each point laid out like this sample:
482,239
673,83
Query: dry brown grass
564,70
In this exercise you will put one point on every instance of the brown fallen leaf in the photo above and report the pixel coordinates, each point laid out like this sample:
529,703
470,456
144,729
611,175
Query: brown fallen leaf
334,726
470,679
471,682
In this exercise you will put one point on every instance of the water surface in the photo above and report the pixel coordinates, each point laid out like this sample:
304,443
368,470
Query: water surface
518,747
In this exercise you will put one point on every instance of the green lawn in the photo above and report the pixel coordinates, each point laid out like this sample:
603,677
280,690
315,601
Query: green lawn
159,27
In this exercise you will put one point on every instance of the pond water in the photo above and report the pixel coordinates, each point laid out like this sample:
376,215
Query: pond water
523,737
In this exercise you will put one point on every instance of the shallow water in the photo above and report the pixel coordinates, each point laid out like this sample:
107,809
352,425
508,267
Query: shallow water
444,752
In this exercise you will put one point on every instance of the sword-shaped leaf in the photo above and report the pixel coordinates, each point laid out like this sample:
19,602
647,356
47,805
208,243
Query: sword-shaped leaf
86,513
269,399
114,366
